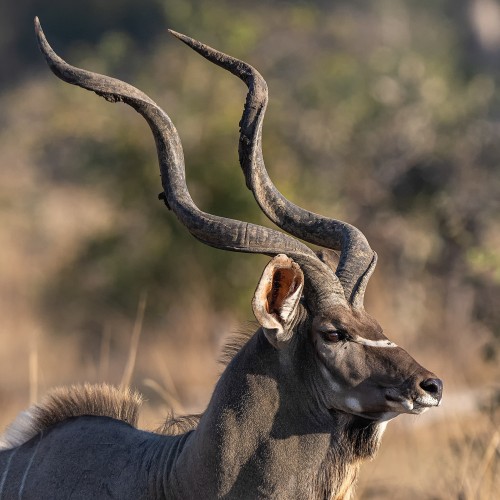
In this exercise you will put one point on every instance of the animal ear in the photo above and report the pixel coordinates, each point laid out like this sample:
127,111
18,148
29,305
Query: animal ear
275,303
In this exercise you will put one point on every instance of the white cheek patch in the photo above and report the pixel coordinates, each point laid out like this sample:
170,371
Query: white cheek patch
353,404
374,343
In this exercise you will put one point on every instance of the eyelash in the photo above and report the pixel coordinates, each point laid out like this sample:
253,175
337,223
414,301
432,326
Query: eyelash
334,336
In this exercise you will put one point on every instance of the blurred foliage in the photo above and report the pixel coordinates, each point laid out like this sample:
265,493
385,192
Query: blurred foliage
385,115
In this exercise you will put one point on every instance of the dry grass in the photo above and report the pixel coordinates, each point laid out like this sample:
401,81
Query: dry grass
455,456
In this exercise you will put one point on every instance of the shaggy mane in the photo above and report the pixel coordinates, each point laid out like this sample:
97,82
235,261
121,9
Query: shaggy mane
175,425
62,403
179,424
236,341
104,400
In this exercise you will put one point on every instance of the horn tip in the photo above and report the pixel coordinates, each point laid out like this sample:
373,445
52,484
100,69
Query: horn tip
42,41
178,35
191,42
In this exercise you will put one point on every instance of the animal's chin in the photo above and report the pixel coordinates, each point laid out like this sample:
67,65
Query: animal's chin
418,410
384,411
379,416
384,416
371,416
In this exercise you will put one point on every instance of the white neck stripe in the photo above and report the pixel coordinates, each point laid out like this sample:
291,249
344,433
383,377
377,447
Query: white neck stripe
374,343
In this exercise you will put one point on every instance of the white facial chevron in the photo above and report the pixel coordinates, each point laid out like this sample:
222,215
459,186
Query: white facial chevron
374,343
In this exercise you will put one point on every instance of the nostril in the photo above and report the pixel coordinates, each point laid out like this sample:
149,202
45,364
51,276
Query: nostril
433,386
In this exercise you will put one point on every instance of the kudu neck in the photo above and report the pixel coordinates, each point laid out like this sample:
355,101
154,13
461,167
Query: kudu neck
262,431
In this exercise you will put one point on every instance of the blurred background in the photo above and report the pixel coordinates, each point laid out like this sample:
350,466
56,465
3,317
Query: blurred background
384,114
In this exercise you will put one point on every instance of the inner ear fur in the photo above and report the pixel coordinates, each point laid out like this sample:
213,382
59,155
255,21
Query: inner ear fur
275,303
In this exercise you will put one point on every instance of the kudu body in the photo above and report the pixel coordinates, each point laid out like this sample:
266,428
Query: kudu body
301,404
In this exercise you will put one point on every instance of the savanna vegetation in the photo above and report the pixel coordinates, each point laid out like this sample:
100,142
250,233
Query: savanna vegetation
384,114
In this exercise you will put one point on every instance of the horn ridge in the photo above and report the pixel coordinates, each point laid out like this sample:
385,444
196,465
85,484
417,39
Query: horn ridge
213,230
356,255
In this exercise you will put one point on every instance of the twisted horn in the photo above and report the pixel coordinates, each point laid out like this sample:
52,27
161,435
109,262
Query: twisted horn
218,232
357,259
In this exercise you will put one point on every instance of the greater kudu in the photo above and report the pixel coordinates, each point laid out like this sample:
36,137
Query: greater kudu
301,404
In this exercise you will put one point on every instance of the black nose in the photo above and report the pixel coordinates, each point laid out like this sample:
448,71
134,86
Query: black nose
433,386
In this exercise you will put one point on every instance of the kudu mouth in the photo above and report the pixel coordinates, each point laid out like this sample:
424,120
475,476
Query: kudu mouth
395,404
413,406
392,405
425,394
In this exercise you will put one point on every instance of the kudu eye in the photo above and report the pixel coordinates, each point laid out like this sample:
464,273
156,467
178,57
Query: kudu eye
332,336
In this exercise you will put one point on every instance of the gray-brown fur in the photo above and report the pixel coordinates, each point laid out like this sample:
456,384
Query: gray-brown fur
300,405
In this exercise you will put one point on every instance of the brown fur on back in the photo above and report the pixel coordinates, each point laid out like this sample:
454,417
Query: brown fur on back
77,400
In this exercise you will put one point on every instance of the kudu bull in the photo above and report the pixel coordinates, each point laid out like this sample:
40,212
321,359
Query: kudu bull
299,406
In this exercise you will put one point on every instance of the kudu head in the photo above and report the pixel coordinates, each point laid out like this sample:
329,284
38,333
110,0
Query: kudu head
302,301
351,365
